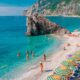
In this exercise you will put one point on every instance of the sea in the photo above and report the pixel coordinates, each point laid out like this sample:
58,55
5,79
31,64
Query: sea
13,41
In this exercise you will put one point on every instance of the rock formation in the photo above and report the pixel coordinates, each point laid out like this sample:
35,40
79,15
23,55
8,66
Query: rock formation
38,25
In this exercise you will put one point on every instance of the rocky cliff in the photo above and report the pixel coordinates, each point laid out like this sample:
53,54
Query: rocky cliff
55,7
38,25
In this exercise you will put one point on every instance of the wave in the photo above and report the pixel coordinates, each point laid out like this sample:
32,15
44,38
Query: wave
3,66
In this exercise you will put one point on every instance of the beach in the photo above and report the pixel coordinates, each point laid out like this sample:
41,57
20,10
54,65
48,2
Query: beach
53,61
37,37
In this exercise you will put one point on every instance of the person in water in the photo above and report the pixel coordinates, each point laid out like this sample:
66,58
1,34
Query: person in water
27,55
41,66
64,48
68,44
32,53
18,55
44,57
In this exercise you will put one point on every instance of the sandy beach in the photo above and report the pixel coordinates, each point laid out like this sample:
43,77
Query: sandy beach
53,61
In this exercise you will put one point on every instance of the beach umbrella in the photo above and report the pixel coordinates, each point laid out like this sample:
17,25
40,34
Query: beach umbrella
73,67
77,55
69,65
63,70
78,52
54,77
50,78
69,55
71,59
72,78
66,63
72,62
77,58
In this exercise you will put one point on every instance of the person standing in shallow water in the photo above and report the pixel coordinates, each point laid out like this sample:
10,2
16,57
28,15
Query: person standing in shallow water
44,57
27,55
32,53
41,66
18,55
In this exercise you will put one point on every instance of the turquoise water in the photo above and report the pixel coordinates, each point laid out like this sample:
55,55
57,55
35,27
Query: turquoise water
71,23
13,40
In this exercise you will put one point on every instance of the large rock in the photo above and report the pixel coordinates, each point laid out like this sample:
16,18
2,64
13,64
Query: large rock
38,25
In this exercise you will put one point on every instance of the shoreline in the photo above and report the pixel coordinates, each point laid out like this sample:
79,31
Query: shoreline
26,67
65,15
35,65
50,64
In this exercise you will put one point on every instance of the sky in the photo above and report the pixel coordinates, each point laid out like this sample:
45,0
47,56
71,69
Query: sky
14,7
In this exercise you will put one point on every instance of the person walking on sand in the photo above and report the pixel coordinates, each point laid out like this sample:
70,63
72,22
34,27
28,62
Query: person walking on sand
41,66
27,55
44,57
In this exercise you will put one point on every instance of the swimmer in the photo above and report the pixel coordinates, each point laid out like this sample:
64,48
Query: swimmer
44,57
32,53
18,55
27,55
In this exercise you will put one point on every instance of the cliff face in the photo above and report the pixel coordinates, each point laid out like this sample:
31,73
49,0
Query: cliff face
38,25
55,7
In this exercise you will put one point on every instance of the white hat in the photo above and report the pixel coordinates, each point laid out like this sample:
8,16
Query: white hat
40,62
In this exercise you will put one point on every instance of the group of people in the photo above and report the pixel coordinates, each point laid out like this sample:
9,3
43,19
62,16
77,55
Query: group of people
32,53
27,54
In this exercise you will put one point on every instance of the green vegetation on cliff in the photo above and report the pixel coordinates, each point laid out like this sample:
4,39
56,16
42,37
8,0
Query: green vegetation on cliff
57,7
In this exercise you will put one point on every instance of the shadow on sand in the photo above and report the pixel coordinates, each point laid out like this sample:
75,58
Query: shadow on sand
48,70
